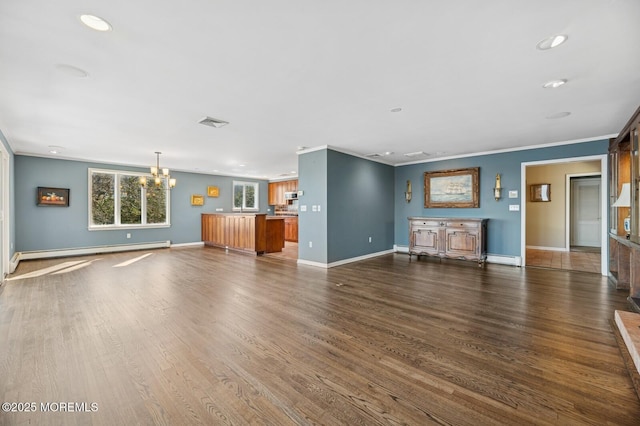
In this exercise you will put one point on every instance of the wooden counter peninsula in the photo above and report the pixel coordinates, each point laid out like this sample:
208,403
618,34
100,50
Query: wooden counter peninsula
256,233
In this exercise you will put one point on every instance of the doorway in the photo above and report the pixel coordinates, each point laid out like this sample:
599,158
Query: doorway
568,227
584,212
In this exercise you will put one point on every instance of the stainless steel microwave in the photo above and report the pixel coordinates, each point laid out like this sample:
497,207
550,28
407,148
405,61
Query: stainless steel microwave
290,195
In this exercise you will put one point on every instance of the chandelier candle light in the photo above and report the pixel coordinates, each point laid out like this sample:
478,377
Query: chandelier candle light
158,174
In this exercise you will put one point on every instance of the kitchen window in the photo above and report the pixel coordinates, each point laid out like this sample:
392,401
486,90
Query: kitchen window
117,201
245,196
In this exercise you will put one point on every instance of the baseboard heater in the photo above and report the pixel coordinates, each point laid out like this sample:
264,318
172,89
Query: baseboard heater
81,251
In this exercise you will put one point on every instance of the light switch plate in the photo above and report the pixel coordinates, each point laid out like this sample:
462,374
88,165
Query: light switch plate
513,194
303,208
514,207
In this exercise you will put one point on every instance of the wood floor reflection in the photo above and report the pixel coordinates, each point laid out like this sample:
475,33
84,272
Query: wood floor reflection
575,260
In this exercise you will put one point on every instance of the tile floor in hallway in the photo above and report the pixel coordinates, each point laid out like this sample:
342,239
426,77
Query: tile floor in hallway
587,261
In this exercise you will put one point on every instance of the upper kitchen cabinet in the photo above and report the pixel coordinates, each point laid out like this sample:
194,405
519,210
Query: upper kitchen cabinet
277,190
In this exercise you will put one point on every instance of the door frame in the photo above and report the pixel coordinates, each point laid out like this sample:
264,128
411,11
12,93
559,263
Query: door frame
604,171
568,211
5,191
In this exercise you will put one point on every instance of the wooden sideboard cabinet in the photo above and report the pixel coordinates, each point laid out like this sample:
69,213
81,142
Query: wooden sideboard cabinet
456,238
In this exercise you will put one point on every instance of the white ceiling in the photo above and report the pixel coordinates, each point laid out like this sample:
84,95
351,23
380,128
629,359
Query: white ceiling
302,73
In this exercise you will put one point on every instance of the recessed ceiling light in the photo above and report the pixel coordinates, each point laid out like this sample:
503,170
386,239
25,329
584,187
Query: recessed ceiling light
551,42
55,149
72,71
397,109
553,84
388,153
95,23
558,115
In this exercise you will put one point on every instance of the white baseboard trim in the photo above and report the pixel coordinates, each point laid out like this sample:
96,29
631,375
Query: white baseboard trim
504,260
81,251
196,244
13,263
344,261
491,258
547,248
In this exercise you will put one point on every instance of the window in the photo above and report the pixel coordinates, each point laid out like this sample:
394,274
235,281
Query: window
245,196
116,200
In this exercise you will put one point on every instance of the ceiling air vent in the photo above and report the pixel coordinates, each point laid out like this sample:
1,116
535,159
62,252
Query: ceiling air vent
415,154
374,155
213,122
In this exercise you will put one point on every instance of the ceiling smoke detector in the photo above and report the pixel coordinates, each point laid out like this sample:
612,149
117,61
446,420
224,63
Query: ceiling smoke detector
213,122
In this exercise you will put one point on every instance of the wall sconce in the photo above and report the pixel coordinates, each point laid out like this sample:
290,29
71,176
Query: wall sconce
497,189
407,194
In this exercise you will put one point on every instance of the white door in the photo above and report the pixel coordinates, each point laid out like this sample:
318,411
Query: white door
585,212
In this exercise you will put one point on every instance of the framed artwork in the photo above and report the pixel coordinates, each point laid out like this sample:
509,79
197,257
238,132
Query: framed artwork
197,200
540,192
452,188
47,196
213,191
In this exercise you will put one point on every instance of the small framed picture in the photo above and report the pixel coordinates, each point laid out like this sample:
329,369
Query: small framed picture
540,192
213,191
47,196
197,200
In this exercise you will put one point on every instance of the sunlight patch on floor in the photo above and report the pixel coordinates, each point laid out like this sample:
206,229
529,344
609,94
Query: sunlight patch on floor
45,271
129,262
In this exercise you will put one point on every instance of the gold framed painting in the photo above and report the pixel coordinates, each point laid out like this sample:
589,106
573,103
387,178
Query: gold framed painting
540,192
456,188
197,200
213,191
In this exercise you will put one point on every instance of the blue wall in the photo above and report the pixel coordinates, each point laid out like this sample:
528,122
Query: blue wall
359,205
358,198
312,226
47,228
355,197
504,226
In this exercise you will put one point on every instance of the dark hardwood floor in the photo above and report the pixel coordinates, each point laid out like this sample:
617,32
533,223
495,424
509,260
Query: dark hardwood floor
199,336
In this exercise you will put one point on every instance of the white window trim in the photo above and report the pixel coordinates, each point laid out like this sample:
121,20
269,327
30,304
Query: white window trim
256,186
143,205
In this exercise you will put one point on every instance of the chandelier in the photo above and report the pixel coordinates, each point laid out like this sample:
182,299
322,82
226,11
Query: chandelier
158,174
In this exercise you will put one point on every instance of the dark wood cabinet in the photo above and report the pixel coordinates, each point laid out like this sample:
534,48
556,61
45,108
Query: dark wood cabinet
624,244
457,238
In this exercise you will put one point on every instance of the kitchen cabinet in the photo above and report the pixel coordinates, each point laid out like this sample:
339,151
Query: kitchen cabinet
277,190
291,229
456,238
244,232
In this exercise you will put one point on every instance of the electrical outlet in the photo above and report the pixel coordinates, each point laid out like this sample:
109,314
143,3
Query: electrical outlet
369,239
219,209
128,235
310,244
